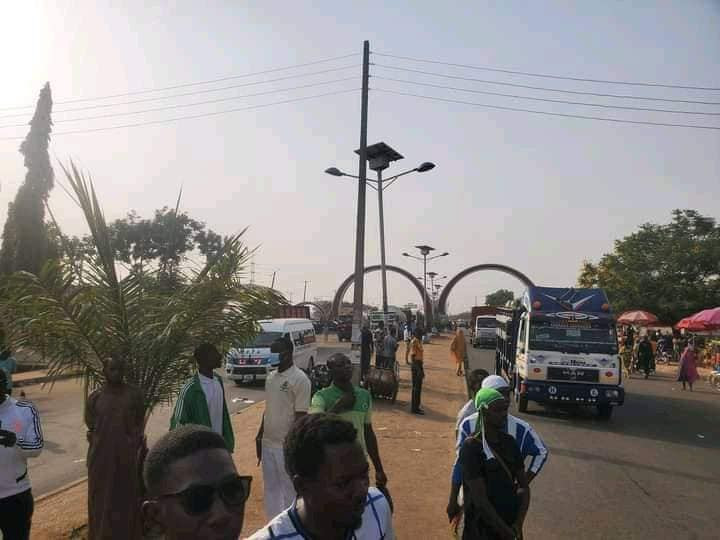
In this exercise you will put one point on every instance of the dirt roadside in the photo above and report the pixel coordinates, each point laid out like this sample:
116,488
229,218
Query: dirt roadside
417,453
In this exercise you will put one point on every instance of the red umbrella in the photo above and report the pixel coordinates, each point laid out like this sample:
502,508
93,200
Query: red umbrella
710,318
691,325
637,317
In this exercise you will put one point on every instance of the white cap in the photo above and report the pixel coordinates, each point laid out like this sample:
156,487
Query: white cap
496,382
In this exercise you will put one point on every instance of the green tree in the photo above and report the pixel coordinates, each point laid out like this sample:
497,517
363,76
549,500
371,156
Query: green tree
671,270
499,298
25,244
80,325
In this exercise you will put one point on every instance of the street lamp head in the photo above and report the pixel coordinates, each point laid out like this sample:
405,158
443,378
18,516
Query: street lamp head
445,254
426,166
406,254
425,249
334,171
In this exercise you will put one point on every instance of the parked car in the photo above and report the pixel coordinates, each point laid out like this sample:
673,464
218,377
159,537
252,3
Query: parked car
344,330
253,361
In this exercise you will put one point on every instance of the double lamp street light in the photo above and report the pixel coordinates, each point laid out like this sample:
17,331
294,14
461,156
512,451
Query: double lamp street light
379,157
425,251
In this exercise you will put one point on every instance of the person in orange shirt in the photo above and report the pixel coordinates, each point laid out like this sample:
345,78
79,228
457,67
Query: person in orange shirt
458,350
418,373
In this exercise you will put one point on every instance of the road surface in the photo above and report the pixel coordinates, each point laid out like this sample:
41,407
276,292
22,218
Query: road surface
61,412
652,471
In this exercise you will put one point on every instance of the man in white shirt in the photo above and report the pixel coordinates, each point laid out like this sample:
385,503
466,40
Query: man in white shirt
330,472
287,398
20,438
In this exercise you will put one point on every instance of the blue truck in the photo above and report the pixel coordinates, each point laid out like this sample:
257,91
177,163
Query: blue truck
560,347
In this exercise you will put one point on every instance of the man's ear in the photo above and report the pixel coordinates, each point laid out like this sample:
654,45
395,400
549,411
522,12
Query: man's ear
299,484
152,519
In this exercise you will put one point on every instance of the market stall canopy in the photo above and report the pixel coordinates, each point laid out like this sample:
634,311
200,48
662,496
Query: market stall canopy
689,324
640,318
709,319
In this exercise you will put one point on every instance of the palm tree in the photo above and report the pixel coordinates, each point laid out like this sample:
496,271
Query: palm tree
80,322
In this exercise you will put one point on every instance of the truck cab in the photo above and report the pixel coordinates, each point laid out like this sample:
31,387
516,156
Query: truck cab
565,350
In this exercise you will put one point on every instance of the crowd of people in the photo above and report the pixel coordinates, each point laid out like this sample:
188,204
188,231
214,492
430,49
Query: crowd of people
315,452
642,353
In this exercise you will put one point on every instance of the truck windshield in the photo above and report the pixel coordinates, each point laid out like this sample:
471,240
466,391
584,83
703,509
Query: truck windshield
263,340
486,323
544,336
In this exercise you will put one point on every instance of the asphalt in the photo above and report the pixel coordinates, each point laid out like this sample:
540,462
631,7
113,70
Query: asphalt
652,471
61,412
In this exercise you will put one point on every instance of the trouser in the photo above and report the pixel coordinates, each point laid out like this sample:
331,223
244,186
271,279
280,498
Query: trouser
364,363
279,489
16,515
418,374
379,360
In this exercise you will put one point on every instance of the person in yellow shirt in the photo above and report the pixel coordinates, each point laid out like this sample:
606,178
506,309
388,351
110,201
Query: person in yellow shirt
418,373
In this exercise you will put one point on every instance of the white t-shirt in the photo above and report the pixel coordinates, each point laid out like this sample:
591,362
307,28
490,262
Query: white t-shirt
214,397
376,522
285,394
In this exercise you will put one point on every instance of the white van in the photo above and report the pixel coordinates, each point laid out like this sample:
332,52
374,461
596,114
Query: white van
254,361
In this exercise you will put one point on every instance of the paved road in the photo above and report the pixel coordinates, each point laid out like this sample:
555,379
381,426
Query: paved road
61,412
652,471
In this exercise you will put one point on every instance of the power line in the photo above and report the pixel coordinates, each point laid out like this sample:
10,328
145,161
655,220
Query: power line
604,106
193,93
197,83
196,103
548,76
547,113
204,115
529,87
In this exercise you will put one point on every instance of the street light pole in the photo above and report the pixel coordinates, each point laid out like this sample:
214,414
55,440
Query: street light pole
383,270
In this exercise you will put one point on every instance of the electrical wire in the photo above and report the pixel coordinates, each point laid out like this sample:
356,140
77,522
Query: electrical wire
648,109
529,87
194,93
204,115
194,104
548,76
197,83
547,113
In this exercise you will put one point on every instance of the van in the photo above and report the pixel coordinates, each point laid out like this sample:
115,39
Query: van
253,361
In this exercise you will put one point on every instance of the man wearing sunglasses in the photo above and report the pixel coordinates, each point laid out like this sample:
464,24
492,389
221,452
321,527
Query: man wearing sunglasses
193,488
330,473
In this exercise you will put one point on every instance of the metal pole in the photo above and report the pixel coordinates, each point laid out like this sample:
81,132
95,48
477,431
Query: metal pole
427,315
272,285
305,291
360,234
382,246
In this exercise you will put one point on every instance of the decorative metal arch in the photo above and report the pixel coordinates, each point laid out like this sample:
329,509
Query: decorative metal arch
442,301
323,315
345,285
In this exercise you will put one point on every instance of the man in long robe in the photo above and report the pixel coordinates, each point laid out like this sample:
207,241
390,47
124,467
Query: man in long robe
114,415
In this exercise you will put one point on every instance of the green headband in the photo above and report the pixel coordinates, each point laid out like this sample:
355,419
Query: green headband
486,396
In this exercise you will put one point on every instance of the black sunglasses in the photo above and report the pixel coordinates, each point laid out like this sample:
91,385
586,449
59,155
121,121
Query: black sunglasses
198,499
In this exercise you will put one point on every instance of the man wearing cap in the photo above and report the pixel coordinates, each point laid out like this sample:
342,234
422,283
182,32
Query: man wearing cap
497,495
530,444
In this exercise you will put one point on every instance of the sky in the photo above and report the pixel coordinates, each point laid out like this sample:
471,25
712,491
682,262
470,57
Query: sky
538,193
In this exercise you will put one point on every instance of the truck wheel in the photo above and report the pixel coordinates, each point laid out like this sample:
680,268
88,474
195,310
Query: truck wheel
605,412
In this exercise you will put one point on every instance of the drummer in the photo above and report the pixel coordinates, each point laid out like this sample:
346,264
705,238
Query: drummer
353,404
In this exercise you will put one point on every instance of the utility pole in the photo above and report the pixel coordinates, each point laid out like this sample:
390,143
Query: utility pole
360,233
252,272
383,273
305,291
272,285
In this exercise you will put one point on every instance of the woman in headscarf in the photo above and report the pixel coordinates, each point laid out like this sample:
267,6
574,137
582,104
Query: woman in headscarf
495,487
458,351
687,372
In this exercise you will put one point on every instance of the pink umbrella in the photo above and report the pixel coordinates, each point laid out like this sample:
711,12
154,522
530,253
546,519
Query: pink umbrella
710,318
637,317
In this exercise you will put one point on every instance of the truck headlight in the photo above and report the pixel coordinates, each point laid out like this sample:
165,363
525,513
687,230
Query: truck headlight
614,394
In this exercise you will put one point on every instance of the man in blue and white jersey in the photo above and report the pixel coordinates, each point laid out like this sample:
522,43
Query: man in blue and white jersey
532,448
330,473
20,438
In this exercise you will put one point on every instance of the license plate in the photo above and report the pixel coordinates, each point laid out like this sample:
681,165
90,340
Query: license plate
248,377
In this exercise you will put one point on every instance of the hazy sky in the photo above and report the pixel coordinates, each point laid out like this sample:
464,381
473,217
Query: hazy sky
539,193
